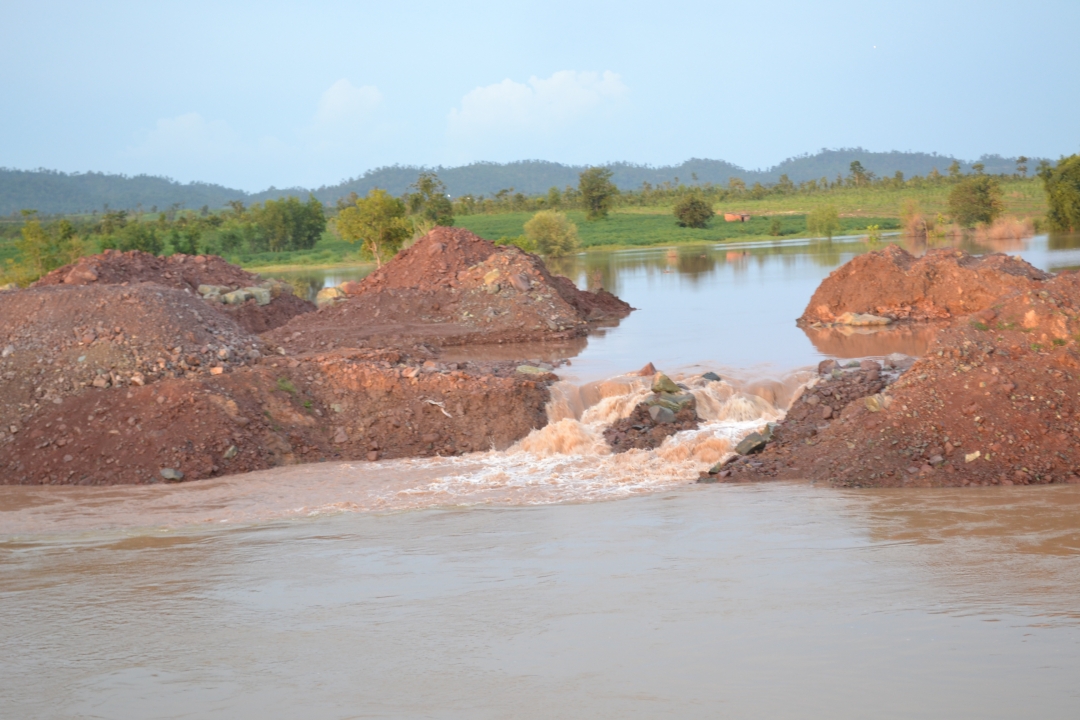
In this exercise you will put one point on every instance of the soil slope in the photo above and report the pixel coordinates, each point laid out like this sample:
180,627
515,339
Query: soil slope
453,288
895,284
994,402
183,272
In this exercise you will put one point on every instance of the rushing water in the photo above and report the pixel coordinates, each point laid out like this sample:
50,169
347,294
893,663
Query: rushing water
493,585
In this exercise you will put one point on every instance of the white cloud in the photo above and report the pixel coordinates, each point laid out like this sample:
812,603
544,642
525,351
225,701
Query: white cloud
541,106
186,137
343,110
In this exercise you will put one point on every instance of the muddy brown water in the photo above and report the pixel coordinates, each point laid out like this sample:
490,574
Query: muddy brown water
495,585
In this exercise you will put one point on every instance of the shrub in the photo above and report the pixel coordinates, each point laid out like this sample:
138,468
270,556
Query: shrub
1063,194
693,212
775,228
975,199
521,241
552,233
823,221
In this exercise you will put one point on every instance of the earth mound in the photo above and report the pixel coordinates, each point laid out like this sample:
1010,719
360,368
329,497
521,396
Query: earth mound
61,341
893,284
454,288
994,402
352,405
188,273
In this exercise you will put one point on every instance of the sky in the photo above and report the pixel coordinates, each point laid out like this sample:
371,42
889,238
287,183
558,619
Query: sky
252,95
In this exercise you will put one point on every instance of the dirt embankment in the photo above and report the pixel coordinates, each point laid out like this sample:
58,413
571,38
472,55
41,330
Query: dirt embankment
894,284
349,405
994,401
453,288
127,368
187,273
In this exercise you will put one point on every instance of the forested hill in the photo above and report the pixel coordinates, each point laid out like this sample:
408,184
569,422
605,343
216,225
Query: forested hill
51,192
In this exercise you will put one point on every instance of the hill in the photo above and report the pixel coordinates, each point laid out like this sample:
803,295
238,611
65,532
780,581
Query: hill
53,192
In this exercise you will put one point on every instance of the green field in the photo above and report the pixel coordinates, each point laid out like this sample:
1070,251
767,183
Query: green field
638,227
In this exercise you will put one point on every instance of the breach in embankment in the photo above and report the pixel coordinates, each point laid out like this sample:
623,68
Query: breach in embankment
127,368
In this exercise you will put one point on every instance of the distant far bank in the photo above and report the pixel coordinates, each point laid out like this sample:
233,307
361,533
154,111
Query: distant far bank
52,192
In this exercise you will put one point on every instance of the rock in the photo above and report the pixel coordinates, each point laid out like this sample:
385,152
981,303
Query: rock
212,291
520,282
861,319
869,365
10,287
661,414
340,436
373,455
329,296
899,361
172,475
217,370
672,401
261,294
230,453
647,371
80,276
236,297
101,381
7,351
877,403
827,366
711,377
972,457
753,443
531,370
491,277
663,384
826,412
138,379
936,460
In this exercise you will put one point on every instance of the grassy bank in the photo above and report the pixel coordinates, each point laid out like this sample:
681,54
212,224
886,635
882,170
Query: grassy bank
656,226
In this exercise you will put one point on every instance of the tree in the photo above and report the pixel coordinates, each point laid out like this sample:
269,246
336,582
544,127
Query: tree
1021,166
377,222
975,199
290,224
860,176
954,170
823,222
552,233
429,200
1063,194
979,168
693,212
597,192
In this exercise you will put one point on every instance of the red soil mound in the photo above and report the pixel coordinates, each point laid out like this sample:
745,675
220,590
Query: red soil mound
994,402
941,284
60,341
360,406
454,288
183,272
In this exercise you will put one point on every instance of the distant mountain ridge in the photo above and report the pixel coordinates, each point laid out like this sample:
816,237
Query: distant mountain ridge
54,192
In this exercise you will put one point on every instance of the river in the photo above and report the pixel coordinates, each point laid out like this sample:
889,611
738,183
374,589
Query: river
499,585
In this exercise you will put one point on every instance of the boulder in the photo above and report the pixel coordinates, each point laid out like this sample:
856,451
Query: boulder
753,443
329,296
661,414
172,475
711,377
663,384
236,297
531,370
261,294
672,401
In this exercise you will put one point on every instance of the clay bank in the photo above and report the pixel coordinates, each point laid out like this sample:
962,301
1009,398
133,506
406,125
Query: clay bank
127,368
993,401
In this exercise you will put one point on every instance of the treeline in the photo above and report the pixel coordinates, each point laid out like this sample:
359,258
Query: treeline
734,189
273,226
52,192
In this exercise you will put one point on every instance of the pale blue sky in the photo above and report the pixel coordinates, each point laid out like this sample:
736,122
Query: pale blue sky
279,93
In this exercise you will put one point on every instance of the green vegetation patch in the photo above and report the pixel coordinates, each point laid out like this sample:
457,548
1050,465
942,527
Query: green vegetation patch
636,229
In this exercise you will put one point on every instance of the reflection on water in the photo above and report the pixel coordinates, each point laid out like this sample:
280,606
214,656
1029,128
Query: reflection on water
846,341
308,283
782,601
